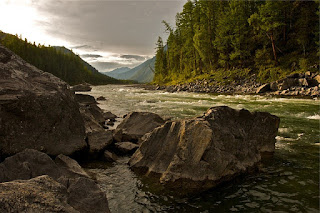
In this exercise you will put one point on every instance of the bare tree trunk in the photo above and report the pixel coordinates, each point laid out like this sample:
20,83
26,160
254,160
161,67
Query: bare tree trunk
273,48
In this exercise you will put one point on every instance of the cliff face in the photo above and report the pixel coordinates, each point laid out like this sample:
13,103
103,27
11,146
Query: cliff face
37,110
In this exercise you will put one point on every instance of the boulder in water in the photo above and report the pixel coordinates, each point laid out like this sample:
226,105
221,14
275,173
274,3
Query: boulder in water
136,124
85,87
197,154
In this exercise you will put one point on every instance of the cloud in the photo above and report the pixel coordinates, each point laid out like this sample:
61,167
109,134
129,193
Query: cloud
130,27
136,57
105,66
91,56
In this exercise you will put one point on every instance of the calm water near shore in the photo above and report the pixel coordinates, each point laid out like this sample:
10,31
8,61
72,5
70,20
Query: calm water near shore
289,182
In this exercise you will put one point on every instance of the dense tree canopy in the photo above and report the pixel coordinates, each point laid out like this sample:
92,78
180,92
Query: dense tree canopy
269,38
61,63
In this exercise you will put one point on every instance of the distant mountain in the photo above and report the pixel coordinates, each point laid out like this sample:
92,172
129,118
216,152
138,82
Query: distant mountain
116,72
58,61
142,73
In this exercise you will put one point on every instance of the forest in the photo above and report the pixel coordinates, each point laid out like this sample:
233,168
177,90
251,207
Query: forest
56,60
235,39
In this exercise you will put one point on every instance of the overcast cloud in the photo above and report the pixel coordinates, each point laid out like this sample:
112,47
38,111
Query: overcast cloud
123,33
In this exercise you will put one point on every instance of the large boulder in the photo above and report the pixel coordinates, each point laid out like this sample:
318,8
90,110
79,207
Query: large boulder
44,194
197,154
37,110
80,191
136,124
41,194
32,163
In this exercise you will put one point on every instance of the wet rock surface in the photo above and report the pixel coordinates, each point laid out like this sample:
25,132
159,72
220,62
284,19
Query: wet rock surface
37,110
197,154
126,147
135,125
85,87
98,137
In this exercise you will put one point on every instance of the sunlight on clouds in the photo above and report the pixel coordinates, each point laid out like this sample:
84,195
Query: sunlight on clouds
20,17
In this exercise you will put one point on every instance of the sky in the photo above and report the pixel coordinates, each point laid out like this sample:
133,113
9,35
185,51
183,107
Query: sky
106,33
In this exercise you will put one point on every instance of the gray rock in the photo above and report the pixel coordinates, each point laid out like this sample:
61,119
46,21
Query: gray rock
317,79
40,194
109,156
197,154
85,196
85,99
274,86
98,137
109,115
32,163
82,88
303,82
99,140
70,165
136,124
81,192
126,147
28,164
101,98
264,88
289,82
37,110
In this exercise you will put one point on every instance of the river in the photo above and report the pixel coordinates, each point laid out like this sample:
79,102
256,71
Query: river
289,182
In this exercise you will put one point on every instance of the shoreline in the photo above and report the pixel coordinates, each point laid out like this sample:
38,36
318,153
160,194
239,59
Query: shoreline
172,89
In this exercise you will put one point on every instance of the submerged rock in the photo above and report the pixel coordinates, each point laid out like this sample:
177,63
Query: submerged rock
85,87
197,154
37,110
136,124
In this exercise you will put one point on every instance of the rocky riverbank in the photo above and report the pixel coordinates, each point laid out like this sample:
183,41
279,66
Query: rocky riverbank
44,125
301,85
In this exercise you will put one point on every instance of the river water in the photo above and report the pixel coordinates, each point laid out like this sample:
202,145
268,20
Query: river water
289,182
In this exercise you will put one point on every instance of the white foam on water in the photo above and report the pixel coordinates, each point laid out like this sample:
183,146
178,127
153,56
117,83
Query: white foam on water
284,130
314,117
280,138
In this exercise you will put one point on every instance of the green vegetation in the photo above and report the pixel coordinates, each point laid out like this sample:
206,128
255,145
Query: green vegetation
228,40
59,61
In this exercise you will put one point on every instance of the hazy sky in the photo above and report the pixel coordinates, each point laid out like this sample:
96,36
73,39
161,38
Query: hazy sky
106,33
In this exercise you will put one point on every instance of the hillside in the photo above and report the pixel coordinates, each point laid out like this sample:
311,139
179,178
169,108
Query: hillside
142,73
59,61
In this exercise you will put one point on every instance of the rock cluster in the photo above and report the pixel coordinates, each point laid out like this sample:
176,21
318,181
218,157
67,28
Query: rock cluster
31,181
197,154
38,112
304,84
248,85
